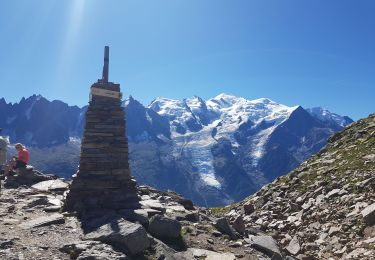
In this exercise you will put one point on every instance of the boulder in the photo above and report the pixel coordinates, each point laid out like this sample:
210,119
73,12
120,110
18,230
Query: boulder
265,244
239,225
129,237
188,204
164,228
222,224
369,215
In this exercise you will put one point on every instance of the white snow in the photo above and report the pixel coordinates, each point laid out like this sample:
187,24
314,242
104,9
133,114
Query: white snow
258,144
326,116
198,147
231,112
75,140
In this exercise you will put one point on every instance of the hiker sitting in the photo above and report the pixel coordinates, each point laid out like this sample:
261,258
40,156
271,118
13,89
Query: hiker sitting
19,161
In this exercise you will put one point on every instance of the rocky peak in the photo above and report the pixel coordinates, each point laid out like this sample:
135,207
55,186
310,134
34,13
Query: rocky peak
327,116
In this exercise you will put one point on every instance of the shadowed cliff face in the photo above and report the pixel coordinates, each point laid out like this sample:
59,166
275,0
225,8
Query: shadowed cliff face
214,152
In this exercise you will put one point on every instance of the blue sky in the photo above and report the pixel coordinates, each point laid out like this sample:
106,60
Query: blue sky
311,53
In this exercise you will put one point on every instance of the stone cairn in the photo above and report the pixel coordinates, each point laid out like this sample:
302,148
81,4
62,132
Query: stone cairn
103,180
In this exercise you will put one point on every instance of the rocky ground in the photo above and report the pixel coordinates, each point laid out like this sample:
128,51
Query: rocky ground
325,209
34,226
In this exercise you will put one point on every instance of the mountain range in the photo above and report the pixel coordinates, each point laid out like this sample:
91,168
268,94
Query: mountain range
214,152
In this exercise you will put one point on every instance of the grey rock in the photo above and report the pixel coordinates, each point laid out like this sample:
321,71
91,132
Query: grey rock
92,250
164,228
6,244
152,204
248,208
192,217
188,216
130,237
265,244
162,251
239,225
44,221
27,176
52,209
222,224
334,230
294,246
57,186
369,214
153,212
139,215
196,253
370,157
36,202
188,204
332,193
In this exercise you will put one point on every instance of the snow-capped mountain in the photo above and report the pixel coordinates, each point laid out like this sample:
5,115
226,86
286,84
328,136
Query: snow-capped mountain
214,152
260,140
197,126
327,116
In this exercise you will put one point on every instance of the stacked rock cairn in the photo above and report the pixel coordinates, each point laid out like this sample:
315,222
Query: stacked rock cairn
103,180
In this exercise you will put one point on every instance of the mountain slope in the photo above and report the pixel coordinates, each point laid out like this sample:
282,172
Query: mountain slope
326,207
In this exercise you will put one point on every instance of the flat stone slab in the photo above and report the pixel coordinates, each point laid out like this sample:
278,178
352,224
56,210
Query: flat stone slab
54,201
369,214
265,244
127,236
44,221
153,212
92,250
196,253
152,204
51,185
164,228
10,221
